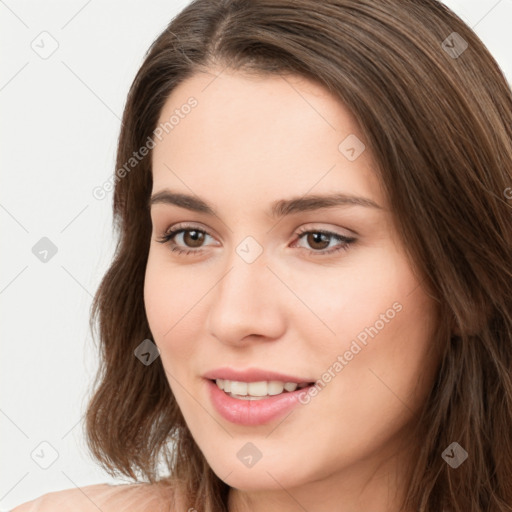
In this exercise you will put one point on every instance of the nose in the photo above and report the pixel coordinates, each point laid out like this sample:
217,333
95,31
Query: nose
246,303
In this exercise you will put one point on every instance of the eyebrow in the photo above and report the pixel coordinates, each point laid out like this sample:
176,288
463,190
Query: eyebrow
278,208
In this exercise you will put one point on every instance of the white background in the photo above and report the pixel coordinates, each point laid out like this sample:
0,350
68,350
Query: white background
60,120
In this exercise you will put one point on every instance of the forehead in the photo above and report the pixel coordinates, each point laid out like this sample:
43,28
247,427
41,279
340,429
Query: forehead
259,136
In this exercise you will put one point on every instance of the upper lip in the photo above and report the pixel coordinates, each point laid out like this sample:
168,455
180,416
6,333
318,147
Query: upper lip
252,375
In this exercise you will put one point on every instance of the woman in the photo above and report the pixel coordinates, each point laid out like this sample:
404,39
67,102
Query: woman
310,303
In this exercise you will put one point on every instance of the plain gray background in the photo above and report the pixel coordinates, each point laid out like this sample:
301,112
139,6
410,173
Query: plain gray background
60,122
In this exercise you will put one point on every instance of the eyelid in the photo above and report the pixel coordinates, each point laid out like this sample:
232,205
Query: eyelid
184,226
300,231
332,231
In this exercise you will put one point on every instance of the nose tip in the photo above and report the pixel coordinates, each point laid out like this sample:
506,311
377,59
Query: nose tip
245,304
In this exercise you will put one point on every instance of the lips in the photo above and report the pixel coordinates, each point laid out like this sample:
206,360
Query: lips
251,413
254,375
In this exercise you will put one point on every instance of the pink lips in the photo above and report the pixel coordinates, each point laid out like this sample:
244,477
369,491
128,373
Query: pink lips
253,375
252,412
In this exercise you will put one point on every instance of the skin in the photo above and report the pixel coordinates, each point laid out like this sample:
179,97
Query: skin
251,141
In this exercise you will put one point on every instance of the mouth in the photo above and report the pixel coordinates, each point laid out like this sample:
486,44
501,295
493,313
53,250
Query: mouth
259,390
254,403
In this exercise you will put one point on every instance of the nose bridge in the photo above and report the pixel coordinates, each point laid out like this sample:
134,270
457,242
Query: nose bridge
246,282
244,301
247,265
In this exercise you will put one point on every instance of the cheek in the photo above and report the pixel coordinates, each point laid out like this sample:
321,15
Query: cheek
171,298
385,340
354,295
379,314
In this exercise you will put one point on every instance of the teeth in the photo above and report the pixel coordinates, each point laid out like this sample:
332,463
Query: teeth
239,388
274,387
257,389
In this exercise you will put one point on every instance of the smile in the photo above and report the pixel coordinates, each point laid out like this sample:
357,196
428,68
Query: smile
238,404
257,390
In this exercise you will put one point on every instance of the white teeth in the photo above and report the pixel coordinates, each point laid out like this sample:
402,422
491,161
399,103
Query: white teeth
239,388
257,389
274,387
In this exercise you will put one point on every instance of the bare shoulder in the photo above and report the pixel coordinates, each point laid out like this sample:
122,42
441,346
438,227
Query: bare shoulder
141,497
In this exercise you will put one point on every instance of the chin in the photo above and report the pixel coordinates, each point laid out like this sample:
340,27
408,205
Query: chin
263,476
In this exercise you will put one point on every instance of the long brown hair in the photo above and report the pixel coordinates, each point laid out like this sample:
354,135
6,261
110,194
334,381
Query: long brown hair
436,111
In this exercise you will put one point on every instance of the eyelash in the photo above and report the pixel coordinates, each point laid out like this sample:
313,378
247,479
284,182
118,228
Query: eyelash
169,235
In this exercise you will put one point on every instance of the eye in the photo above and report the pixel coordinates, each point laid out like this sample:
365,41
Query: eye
190,235
193,238
319,240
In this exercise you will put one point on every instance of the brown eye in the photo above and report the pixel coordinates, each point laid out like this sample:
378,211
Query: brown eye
193,237
184,240
318,241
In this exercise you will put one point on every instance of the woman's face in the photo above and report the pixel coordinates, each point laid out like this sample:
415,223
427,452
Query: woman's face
252,293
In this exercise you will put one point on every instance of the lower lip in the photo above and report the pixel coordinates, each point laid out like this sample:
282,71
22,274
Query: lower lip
252,412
